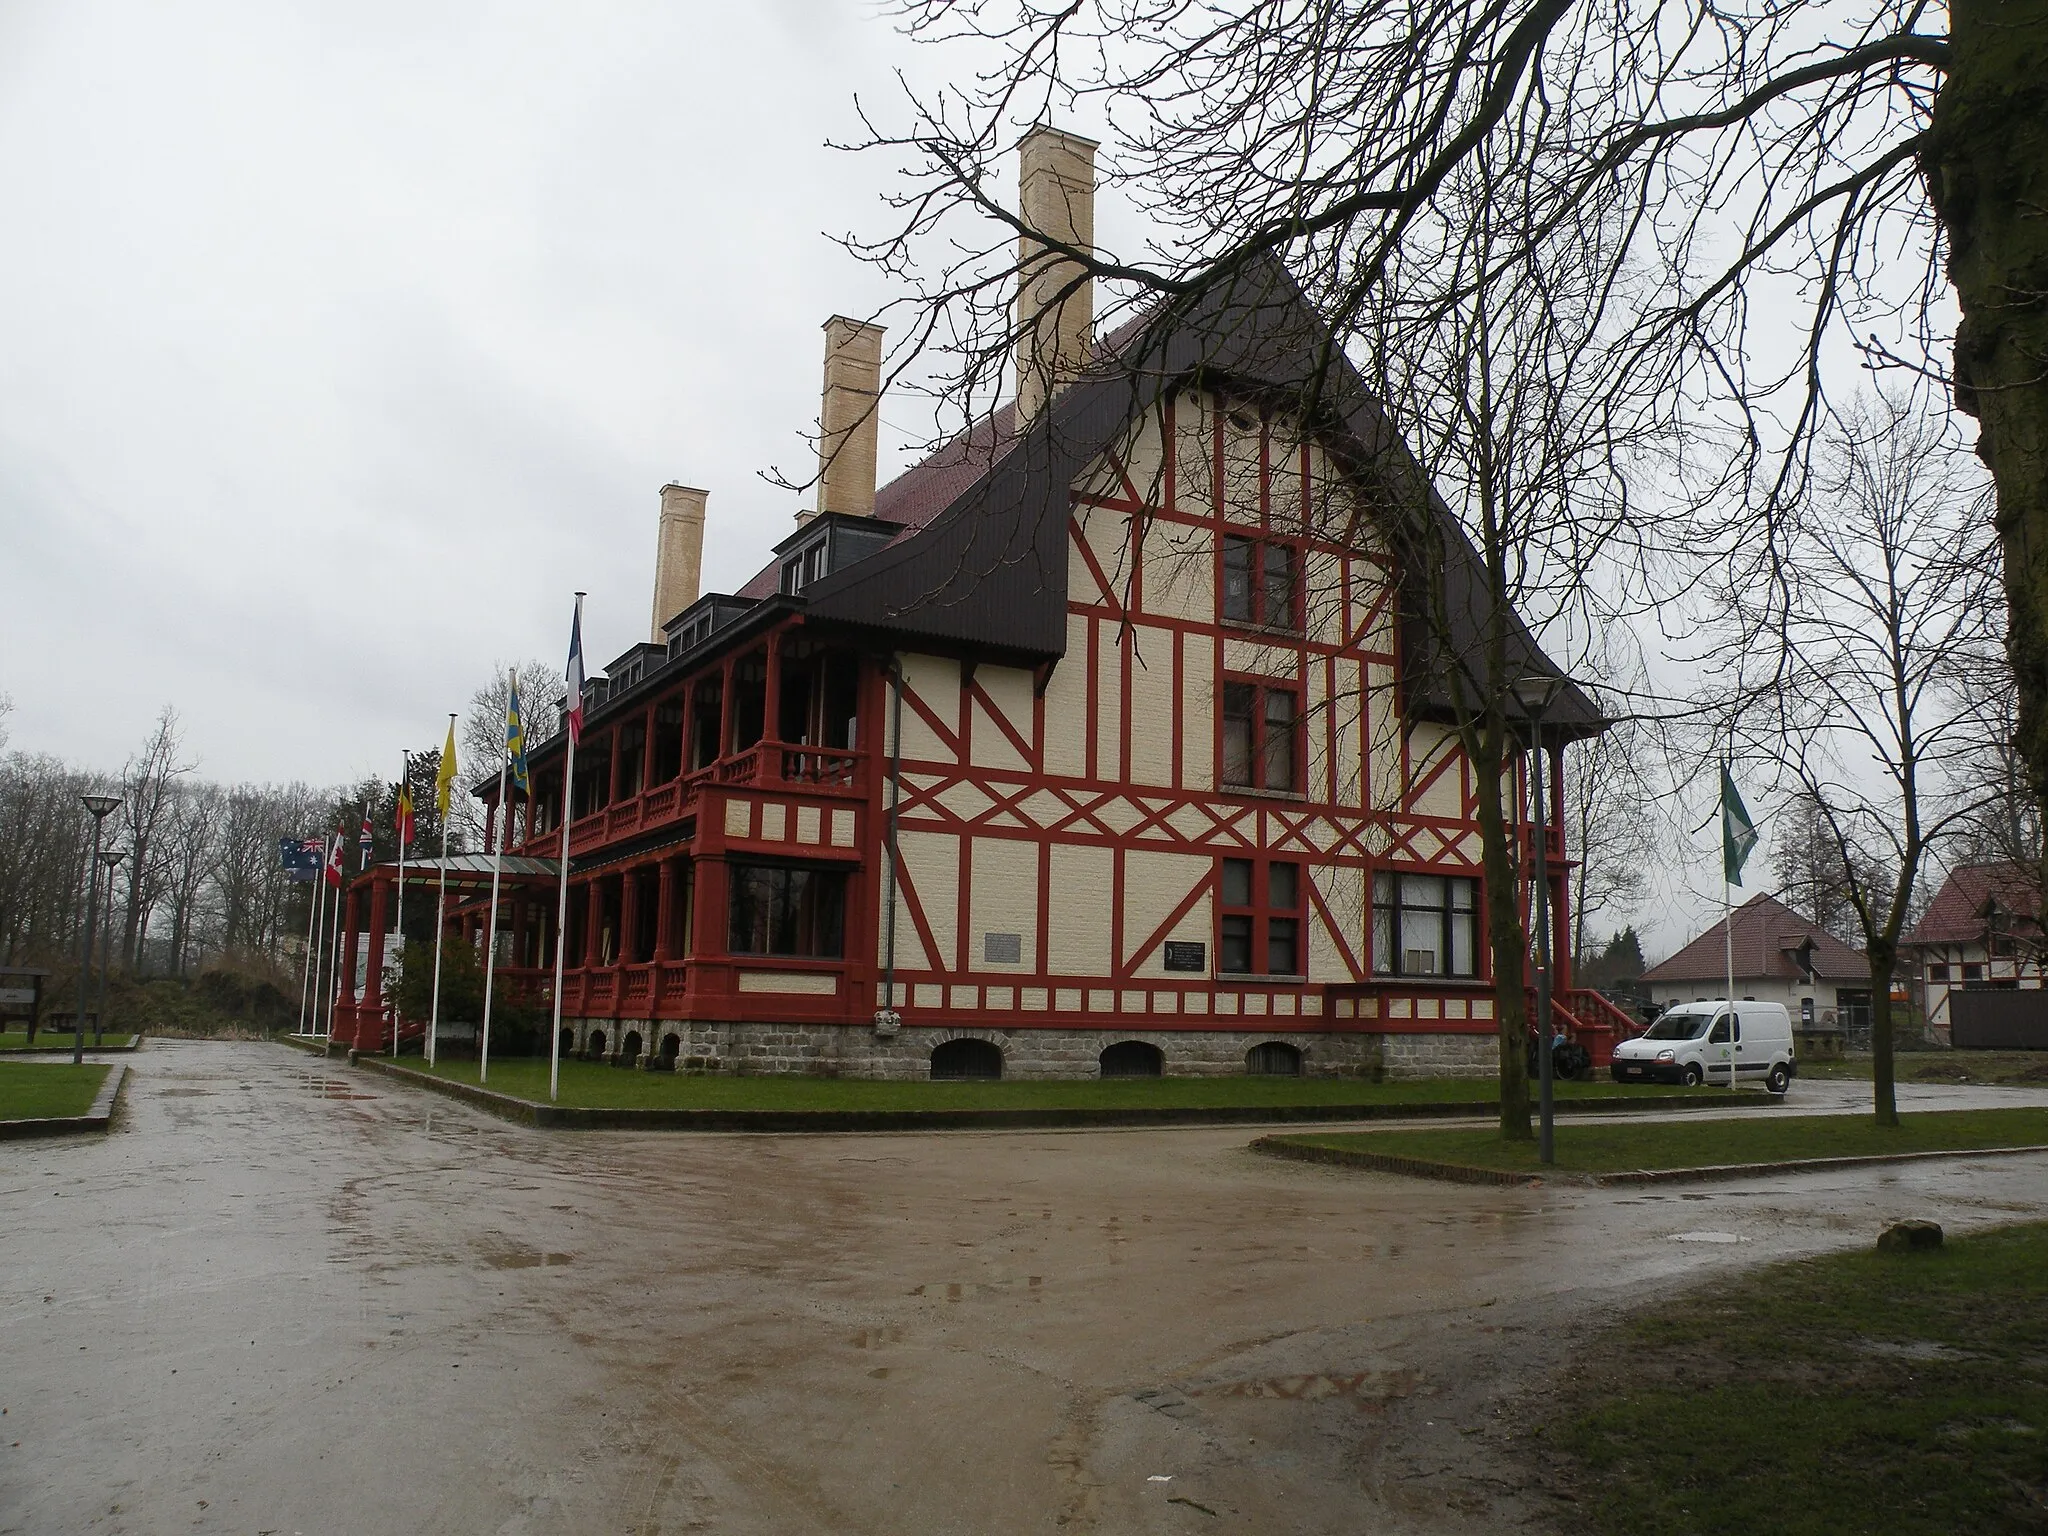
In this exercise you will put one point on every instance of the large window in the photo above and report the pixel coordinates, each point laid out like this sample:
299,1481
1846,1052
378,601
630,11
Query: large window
1425,925
1261,582
780,909
1261,737
1261,926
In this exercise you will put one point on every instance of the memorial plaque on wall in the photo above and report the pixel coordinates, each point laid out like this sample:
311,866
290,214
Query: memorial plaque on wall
1183,955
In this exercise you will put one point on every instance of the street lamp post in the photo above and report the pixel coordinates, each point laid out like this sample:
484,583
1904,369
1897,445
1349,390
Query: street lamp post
1535,693
101,807
111,859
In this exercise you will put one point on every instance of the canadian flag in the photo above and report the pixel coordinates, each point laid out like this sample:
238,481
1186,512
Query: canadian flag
334,847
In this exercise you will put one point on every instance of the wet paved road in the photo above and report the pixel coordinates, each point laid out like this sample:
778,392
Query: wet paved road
288,1297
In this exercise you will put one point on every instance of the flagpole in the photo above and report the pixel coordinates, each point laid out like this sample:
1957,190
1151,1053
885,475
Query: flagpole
441,900
575,704
333,941
1728,944
312,929
483,1071
404,789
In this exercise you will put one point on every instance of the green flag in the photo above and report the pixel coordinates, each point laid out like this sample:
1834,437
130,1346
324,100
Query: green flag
1738,832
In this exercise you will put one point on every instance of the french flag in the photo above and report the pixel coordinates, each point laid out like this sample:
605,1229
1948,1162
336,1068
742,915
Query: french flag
574,672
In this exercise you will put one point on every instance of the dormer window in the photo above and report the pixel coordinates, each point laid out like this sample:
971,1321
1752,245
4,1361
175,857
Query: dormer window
803,568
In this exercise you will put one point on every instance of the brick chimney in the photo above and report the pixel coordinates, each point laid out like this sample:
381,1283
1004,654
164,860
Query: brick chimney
678,554
849,417
1056,194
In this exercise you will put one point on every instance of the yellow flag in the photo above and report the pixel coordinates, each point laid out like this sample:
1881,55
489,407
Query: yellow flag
444,781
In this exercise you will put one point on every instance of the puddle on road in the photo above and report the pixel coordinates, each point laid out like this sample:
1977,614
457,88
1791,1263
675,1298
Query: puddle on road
525,1258
1371,1390
330,1087
1706,1237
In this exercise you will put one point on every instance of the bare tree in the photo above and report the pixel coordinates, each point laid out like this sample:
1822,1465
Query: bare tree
191,847
1611,806
1890,580
148,789
1792,177
45,847
541,693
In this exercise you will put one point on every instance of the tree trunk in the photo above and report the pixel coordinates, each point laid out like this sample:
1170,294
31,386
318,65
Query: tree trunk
1987,172
1509,944
1883,1093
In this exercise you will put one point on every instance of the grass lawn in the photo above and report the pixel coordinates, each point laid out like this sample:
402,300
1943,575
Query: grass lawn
50,1040
1904,1393
1588,1147
594,1085
2011,1068
40,1090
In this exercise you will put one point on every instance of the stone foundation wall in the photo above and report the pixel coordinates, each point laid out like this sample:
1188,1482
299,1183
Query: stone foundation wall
1441,1055
836,1050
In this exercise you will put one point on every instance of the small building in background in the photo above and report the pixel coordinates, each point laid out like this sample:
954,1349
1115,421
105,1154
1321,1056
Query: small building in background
1780,957
1977,951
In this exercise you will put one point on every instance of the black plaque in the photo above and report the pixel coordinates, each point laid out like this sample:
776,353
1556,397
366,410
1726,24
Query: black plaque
1181,955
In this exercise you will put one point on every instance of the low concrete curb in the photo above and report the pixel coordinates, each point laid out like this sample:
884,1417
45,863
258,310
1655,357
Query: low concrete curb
1382,1162
1456,1173
778,1121
60,1046
99,1118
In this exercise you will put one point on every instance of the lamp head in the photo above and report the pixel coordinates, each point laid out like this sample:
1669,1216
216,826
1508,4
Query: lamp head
112,857
1535,691
101,806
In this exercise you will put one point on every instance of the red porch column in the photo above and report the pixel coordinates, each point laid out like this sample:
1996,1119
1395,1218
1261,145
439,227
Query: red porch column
724,712
1560,877
689,732
370,1017
629,915
714,884
593,921
665,909
647,753
771,693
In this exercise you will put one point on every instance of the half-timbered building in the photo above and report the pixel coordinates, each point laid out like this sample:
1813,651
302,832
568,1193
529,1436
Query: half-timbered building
1109,738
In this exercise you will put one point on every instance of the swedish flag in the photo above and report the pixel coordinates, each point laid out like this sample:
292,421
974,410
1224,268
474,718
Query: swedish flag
515,738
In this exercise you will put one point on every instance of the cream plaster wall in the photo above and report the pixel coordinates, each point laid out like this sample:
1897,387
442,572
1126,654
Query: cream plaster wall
1066,705
931,864
1003,899
1078,921
1152,696
935,680
1154,884
1009,689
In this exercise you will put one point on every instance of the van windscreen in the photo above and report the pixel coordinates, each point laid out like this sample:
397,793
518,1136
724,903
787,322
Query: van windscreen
1679,1026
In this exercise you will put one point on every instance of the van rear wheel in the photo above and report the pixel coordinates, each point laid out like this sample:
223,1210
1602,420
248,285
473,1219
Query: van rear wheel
1692,1074
1779,1080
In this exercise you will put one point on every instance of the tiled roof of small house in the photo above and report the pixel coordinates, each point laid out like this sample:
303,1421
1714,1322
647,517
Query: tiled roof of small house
1961,908
1767,936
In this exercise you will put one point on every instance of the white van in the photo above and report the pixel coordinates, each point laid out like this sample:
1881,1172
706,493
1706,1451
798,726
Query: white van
1690,1044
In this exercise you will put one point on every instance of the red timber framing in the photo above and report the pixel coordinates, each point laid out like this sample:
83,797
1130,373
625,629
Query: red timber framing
1062,826
1102,790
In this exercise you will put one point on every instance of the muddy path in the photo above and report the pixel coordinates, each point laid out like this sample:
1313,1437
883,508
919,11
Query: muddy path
286,1296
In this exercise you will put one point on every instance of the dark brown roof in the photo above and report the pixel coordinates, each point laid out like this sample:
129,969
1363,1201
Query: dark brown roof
1960,909
925,489
1767,933
989,566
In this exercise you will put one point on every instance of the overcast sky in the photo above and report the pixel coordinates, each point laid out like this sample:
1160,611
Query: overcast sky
342,343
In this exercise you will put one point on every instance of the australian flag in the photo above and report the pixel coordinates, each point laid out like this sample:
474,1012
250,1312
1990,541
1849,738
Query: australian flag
300,857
